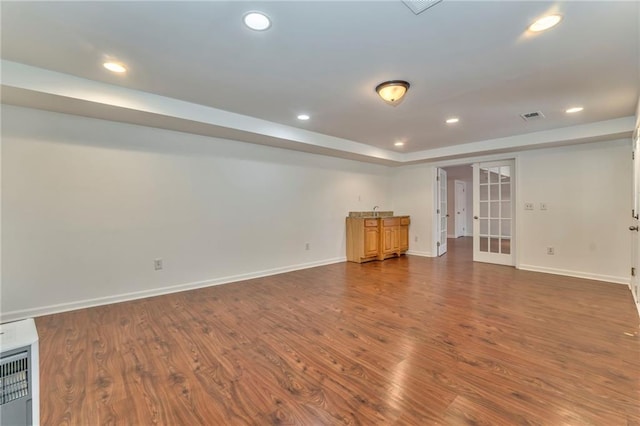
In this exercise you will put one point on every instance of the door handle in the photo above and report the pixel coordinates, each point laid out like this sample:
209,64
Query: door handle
633,228
475,217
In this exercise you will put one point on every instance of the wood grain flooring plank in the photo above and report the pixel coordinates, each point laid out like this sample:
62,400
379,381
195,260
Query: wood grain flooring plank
407,341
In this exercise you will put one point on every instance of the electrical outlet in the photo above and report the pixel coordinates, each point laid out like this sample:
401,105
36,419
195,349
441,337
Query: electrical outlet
157,264
528,206
307,246
543,206
551,250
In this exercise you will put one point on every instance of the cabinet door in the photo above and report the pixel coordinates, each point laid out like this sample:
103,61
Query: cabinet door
404,238
395,238
387,240
370,242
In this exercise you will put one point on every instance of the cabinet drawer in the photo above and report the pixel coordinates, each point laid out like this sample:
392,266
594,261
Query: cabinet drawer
404,221
391,222
370,222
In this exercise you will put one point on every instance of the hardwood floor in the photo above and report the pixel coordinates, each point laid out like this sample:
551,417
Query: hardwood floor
408,341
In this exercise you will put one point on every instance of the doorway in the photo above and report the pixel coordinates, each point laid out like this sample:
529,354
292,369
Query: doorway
459,205
459,209
481,209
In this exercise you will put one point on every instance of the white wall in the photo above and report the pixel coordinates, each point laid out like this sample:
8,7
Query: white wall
587,189
87,205
412,194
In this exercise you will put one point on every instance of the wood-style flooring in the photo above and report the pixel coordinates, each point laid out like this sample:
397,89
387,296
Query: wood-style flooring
407,341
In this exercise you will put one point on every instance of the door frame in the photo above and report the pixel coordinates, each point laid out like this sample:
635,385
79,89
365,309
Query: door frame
634,279
469,161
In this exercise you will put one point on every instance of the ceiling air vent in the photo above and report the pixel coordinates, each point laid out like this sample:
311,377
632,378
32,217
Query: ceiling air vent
419,6
530,116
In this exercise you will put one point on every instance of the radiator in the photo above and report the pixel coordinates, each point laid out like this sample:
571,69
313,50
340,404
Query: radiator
19,374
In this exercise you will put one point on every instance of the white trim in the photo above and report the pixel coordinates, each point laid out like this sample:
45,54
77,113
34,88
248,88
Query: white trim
419,253
517,231
576,274
125,297
635,300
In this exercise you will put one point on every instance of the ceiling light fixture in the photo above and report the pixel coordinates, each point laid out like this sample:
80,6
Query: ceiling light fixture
574,109
399,144
545,23
257,21
452,120
303,117
115,67
392,91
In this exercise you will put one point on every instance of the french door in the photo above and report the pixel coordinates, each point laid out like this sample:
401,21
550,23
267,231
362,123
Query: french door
441,211
493,210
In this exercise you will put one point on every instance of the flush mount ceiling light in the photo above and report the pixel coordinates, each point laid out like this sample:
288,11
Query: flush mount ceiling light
392,91
399,143
545,23
574,109
303,117
115,67
257,21
452,120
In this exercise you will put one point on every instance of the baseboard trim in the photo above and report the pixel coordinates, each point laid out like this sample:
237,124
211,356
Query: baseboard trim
125,297
576,274
635,299
420,253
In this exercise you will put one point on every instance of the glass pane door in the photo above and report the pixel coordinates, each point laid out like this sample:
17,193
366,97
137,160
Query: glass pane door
441,211
493,212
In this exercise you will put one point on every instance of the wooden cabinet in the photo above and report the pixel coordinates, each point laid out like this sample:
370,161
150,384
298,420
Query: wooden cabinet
376,238
404,233
363,239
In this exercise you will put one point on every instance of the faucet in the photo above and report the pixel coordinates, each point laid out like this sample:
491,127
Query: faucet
375,213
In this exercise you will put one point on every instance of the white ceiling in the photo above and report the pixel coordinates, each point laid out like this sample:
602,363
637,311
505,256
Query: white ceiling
473,60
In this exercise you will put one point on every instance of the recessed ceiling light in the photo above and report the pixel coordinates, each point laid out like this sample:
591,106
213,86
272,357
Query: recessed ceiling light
574,109
115,67
257,21
303,117
452,120
399,144
545,23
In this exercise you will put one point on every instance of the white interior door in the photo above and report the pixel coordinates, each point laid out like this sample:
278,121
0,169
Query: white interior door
441,211
493,212
461,208
635,240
